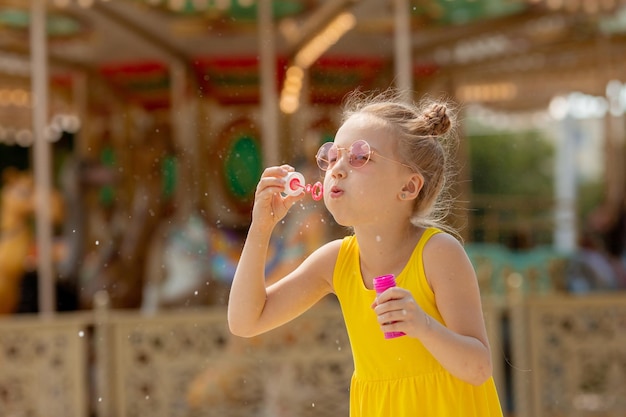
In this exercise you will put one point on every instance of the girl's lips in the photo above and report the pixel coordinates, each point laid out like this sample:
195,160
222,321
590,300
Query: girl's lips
336,192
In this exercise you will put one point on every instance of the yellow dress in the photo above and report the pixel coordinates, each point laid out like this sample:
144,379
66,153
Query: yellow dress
399,377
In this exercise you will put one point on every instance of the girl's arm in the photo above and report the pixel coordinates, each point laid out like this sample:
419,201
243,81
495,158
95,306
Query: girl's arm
253,309
461,345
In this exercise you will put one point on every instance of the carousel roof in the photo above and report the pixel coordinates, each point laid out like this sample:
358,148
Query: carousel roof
510,54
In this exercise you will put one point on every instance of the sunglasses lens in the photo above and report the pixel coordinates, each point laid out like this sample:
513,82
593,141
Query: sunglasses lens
326,156
359,153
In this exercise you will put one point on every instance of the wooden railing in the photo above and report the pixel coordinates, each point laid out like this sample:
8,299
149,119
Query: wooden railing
44,367
186,363
554,356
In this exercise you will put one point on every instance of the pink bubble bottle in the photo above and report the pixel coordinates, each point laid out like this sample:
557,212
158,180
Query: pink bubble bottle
381,284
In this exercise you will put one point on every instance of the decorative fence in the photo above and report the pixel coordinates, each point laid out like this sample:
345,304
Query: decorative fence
188,364
577,356
554,356
43,366
174,364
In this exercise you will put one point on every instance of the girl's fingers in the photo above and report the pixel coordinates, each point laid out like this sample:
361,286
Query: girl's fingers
270,202
274,177
395,293
274,184
386,305
277,171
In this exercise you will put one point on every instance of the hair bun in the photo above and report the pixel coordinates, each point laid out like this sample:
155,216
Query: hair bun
437,120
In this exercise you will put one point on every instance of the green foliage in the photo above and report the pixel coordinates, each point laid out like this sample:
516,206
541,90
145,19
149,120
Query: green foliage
465,11
511,164
590,196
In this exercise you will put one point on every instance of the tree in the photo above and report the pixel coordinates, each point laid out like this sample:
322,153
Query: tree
517,164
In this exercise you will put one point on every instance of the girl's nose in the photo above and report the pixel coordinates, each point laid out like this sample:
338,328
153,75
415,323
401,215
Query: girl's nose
338,170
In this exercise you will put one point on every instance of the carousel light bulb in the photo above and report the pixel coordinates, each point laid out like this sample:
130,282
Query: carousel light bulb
61,3
85,3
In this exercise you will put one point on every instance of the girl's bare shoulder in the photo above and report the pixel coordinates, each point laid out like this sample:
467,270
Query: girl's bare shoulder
443,241
444,256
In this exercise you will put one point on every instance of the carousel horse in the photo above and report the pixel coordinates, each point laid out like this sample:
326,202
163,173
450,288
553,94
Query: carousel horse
18,201
117,264
191,262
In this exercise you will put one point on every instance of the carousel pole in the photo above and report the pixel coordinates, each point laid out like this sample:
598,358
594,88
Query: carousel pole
41,149
184,140
402,48
269,96
565,232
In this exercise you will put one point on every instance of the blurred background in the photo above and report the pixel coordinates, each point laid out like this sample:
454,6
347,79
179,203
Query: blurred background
132,136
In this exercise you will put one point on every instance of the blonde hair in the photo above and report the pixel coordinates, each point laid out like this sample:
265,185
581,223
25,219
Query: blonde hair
425,133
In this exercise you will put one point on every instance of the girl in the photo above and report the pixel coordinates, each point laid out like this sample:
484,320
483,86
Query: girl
384,178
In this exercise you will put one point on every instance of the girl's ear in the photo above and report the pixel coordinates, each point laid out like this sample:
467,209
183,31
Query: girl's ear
412,188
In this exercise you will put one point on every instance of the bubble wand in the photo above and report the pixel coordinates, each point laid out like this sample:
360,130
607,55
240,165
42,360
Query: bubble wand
296,185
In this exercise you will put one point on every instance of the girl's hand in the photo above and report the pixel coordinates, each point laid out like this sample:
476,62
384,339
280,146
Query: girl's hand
270,206
397,311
